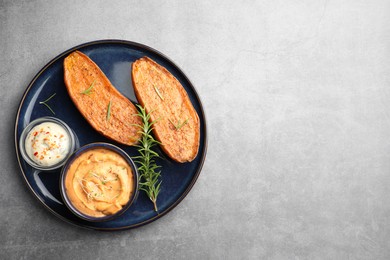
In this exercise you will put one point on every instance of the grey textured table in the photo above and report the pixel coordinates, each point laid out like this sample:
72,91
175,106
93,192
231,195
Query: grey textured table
297,98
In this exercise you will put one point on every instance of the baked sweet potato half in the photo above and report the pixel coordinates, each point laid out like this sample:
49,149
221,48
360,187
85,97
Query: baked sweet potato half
102,105
177,126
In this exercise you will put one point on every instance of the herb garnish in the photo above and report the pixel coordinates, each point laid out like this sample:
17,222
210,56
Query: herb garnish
109,111
149,176
178,125
88,90
45,103
84,188
158,92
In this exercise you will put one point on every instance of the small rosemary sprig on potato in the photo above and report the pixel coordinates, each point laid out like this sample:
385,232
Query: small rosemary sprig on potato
150,181
179,124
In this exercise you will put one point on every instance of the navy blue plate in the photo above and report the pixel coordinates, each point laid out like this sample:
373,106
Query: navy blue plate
114,57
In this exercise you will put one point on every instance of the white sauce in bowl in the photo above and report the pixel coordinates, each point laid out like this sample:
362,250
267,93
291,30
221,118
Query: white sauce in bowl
47,144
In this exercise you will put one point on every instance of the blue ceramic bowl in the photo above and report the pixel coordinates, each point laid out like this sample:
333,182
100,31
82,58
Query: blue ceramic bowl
73,143
73,157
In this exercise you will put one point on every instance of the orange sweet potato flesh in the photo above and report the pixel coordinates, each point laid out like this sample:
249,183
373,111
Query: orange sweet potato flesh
177,126
116,123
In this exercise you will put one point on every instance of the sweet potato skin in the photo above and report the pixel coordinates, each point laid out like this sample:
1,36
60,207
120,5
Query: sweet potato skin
80,72
177,124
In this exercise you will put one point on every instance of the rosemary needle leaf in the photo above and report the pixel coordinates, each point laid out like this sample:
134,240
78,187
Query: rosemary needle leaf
51,110
180,126
88,90
48,98
109,111
158,92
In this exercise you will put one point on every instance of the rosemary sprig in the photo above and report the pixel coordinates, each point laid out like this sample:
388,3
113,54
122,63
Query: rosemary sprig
149,175
109,111
178,125
88,90
158,92
45,103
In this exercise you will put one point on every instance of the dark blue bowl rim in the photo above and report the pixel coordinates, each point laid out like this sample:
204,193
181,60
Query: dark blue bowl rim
128,43
74,156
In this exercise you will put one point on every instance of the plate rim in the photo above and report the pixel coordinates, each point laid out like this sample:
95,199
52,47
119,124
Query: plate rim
132,44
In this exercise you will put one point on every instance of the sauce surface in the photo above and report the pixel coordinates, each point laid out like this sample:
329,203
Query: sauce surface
47,144
99,182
